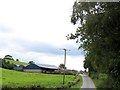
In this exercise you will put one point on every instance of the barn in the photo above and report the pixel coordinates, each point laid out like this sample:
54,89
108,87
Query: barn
47,68
32,68
44,68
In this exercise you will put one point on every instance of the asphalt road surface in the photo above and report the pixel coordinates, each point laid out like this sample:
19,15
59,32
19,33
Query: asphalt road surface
87,83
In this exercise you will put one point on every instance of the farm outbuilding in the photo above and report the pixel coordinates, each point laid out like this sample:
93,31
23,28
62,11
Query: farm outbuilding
32,68
19,67
8,57
47,68
44,68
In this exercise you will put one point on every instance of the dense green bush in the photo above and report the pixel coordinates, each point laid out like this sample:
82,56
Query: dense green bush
7,65
72,83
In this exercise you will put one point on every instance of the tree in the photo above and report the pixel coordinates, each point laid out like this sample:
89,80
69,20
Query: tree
99,35
17,59
62,66
7,64
31,62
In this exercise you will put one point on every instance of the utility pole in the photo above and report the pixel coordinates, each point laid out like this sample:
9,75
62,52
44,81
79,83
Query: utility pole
64,64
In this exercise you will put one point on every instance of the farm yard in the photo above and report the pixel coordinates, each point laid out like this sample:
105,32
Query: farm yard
16,79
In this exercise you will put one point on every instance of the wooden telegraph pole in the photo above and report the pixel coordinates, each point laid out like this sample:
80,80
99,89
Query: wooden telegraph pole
64,64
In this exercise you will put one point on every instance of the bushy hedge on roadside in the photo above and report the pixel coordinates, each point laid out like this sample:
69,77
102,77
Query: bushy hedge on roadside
71,83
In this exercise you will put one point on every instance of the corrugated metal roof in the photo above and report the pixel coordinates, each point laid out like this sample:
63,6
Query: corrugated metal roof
47,66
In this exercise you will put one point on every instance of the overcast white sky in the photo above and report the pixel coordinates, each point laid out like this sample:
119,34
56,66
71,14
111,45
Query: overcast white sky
36,30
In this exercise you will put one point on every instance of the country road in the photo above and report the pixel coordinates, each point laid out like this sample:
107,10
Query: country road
87,83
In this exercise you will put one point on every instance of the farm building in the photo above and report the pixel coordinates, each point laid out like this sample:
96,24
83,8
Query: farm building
47,68
32,68
40,68
8,57
18,67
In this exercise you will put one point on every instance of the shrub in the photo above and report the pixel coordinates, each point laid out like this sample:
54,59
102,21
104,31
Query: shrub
102,76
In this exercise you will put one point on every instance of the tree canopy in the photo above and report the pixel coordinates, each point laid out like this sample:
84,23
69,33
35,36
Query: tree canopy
62,66
31,62
99,35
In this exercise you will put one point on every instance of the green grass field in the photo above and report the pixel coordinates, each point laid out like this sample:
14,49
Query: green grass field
15,79
16,62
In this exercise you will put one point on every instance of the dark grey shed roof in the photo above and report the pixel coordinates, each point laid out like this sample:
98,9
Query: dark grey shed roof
32,66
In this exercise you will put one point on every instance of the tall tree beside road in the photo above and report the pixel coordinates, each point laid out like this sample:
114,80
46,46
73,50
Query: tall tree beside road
62,66
99,35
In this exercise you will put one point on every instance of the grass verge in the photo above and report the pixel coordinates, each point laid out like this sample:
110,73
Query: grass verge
102,82
79,84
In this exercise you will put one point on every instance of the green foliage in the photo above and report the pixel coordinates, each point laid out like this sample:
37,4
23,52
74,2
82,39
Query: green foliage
16,62
7,64
99,36
102,76
31,62
17,59
71,85
62,66
79,84
104,81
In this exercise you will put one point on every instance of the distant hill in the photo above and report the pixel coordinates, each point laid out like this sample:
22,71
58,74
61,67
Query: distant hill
16,62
